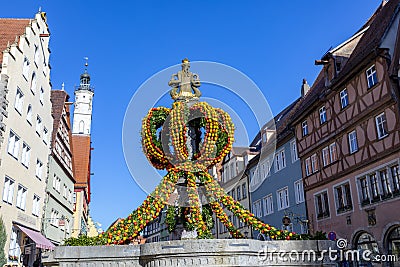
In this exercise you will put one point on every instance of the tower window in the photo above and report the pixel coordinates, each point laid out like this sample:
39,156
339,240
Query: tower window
81,126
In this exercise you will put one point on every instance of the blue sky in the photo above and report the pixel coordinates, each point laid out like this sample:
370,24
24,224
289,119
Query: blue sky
274,43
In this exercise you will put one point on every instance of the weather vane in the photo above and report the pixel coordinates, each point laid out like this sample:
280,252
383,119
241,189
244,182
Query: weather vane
86,61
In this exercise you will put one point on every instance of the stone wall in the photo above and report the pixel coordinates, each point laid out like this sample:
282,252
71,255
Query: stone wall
212,252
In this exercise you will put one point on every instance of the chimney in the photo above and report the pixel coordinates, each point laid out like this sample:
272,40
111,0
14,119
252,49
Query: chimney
304,88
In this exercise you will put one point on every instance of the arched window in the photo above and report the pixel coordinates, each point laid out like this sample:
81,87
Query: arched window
394,245
366,241
81,126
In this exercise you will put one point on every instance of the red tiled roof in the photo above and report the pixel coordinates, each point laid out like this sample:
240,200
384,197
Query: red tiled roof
9,30
58,100
81,161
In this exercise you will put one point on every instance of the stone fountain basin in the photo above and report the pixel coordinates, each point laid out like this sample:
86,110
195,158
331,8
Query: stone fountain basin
206,252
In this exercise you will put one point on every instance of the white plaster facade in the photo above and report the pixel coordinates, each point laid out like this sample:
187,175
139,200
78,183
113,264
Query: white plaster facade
29,120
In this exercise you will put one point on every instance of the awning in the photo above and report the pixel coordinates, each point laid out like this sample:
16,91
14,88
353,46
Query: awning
38,238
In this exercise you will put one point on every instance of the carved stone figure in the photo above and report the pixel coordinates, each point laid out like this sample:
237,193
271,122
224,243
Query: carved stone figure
185,84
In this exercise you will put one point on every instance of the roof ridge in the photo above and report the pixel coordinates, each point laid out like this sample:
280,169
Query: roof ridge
16,19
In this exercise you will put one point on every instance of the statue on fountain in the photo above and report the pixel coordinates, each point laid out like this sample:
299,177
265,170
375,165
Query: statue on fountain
185,84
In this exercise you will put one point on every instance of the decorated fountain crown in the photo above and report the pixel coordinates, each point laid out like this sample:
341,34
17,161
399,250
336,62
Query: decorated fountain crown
187,140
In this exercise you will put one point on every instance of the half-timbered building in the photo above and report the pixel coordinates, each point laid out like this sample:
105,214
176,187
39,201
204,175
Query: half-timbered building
347,131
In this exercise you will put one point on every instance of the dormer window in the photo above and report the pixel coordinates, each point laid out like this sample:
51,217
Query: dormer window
338,66
266,135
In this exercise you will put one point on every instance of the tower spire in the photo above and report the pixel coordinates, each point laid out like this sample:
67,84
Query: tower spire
86,63
85,78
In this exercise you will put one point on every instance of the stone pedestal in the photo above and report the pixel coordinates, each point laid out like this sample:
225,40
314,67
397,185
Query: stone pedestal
211,252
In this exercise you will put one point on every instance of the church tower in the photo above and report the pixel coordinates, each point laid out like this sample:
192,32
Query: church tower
83,105
81,149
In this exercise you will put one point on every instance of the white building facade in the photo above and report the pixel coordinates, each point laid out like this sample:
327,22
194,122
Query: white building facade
27,125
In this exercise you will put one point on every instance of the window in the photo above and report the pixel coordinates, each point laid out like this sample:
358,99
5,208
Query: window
295,155
67,226
385,183
329,154
54,218
241,224
41,95
36,56
33,83
314,163
333,152
325,156
36,206
353,142
322,115
283,198
39,169
372,79
395,178
19,101
344,98
26,155
264,137
13,145
364,190
280,161
29,114
38,125
322,205
58,184
307,166
304,126
238,193
233,171
257,208
45,135
69,196
381,126
54,181
25,68
265,168
65,191
81,127
21,197
299,191
244,191
268,205
343,198
8,190
374,186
